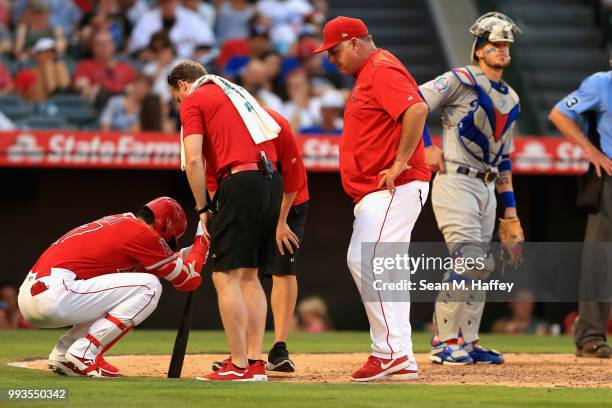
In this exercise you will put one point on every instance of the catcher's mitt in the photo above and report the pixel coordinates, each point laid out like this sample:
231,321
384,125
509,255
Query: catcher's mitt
511,237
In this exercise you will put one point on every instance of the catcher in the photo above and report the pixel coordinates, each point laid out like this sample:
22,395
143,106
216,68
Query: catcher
479,118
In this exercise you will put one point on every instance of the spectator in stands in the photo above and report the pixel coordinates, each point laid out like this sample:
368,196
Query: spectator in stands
205,10
287,17
134,9
185,28
521,319
122,112
164,59
274,66
257,45
103,75
63,13
106,15
47,77
321,74
332,104
233,20
10,316
301,110
257,42
312,315
34,26
256,79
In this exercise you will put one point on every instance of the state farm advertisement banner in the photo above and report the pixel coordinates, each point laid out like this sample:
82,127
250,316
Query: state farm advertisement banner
533,154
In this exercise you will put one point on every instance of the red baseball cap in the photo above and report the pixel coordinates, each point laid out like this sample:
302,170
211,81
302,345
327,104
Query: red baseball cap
341,29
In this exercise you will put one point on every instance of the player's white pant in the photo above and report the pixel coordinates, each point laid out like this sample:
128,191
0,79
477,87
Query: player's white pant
102,308
381,217
465,212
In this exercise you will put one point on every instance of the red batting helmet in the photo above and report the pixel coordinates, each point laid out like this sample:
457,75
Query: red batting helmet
170,219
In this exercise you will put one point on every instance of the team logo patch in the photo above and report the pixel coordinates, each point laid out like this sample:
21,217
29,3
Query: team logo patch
571,101
440,84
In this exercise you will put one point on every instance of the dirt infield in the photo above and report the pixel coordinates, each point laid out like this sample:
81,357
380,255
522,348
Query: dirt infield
520,370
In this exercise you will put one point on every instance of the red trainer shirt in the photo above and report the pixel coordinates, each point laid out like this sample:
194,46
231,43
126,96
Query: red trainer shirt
289,157
117,243
227,142
372,126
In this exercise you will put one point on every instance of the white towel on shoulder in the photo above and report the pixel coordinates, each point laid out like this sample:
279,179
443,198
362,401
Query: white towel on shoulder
262,127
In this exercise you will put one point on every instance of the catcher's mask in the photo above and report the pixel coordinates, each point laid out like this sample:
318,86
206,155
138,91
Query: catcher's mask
170,219
492,27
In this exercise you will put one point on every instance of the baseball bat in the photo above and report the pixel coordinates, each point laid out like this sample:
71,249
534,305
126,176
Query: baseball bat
180,343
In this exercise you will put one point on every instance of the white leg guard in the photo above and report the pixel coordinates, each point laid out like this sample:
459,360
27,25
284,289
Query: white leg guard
102,335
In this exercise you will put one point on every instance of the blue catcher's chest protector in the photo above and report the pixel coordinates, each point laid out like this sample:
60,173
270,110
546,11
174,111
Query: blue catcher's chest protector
485,132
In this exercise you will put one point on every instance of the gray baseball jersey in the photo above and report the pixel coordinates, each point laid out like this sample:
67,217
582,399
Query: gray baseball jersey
479,116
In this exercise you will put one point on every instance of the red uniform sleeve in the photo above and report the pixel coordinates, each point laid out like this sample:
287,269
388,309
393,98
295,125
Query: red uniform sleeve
289,157
395,90
151,251
191,117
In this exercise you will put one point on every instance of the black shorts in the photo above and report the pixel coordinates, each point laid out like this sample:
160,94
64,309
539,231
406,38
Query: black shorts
243,228
285,265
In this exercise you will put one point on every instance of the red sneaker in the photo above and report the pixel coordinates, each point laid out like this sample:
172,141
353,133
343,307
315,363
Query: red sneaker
405,374
229,373
376,368
258,370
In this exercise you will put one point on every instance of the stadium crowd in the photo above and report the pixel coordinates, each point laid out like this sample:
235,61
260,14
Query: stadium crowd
102,64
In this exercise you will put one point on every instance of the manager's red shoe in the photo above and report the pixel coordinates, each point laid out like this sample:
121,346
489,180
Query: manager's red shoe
405,374
258,370
377,368
229,372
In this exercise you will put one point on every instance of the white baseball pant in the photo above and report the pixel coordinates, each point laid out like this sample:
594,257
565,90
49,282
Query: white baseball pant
384,218
100,309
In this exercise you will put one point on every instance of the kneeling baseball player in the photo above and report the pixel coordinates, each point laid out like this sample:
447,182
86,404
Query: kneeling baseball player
102,278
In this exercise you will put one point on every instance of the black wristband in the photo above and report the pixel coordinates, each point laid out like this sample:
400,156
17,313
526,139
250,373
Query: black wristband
203,210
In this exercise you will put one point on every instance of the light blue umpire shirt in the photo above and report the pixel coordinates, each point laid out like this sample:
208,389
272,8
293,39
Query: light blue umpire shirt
593,95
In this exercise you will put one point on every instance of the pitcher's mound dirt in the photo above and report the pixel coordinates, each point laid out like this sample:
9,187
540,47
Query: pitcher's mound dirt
520,370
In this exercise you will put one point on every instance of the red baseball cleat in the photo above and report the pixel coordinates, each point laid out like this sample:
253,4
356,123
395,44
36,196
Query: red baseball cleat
258,370
229,372
89,367
106,366
376,368
63,367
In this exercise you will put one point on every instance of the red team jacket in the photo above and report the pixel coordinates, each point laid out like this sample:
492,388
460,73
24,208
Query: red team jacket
113,244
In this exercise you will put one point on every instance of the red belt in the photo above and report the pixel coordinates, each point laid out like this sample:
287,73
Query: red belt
37,288
239,168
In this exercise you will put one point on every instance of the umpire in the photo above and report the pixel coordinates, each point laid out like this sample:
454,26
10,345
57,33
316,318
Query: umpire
592,102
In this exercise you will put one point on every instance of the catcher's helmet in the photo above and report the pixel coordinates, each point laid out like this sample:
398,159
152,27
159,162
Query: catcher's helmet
492,27
170,219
